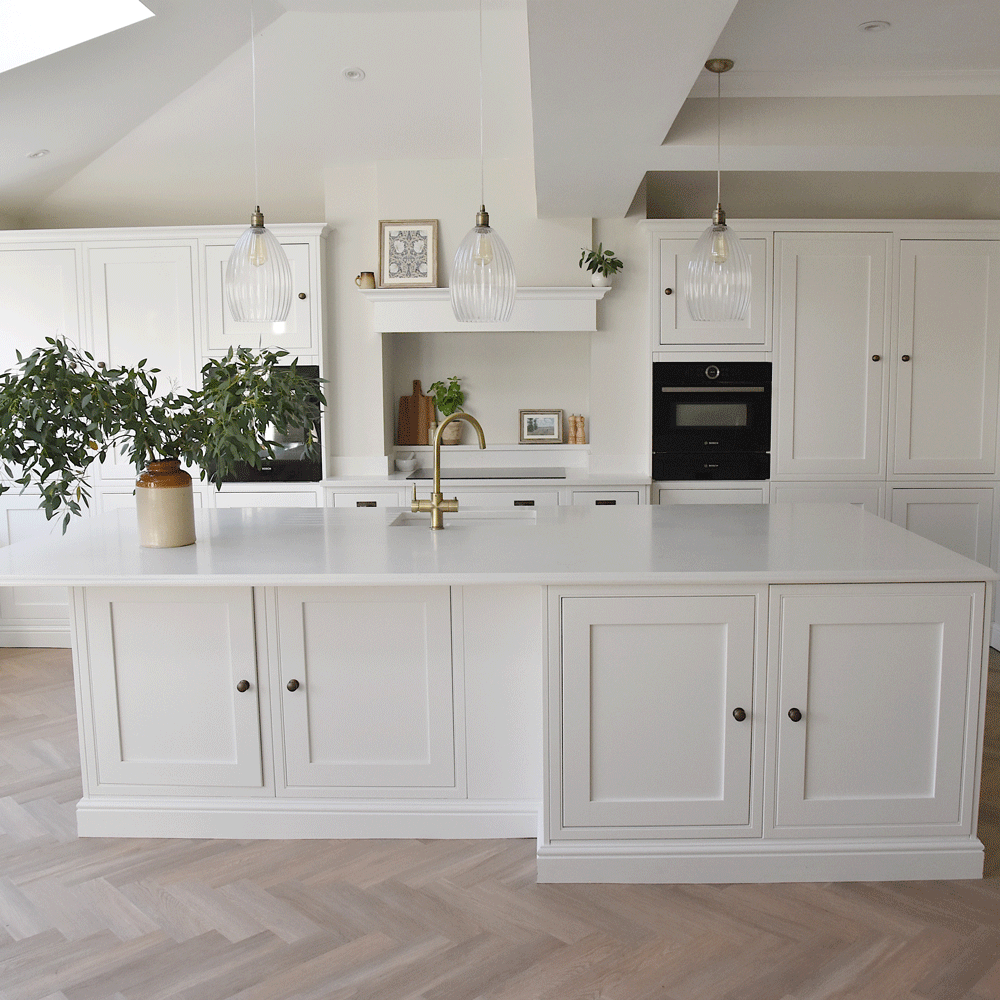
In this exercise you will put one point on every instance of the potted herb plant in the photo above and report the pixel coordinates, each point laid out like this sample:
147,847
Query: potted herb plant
448,399
61,411
601,263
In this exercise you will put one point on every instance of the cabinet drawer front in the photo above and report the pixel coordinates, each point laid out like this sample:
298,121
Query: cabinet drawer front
165,665
366,499
746,495
494,499
605,498
365,688
879,682
649,687
265,498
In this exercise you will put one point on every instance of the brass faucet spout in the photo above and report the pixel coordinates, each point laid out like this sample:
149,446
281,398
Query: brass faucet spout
437,505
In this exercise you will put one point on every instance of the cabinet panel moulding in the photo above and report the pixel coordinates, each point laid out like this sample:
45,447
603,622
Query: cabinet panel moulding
428,310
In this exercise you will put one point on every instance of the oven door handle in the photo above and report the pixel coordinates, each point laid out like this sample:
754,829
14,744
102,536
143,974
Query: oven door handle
714,388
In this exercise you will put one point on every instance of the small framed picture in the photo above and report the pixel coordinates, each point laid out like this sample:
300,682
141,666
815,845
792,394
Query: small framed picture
541,426
407,253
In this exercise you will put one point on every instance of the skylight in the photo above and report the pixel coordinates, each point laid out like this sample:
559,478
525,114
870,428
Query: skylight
36,28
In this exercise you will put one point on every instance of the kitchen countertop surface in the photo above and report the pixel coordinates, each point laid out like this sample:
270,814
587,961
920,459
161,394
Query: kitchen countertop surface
682,544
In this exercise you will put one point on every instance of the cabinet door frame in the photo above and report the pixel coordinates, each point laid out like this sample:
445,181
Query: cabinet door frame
951,808
299,768
101,695
568,775
986,364
789,247
669,253
902,495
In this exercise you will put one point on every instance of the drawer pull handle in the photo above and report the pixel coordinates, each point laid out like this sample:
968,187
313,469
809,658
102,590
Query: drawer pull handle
605,503
367,503
876,357
739,715
795,715
243,686
905,357
292,685
302,295
524,503
668,291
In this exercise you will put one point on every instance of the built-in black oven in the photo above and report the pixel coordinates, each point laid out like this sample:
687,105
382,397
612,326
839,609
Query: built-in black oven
711,420
290,463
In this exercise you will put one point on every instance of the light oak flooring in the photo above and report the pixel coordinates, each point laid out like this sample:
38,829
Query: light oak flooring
442,920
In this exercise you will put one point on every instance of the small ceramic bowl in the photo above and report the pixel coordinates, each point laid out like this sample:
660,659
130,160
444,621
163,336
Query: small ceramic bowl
406,465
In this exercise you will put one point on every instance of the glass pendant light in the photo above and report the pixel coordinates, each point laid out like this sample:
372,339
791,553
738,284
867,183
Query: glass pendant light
258,275
718,284
483,284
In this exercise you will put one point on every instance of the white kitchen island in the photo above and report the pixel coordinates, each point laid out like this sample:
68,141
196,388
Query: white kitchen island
719,693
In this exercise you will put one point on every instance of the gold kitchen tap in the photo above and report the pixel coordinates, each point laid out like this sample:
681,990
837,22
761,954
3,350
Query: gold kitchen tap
437,505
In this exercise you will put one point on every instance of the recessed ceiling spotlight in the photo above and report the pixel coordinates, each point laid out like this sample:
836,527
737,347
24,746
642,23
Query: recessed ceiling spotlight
354,73
870,26
38,154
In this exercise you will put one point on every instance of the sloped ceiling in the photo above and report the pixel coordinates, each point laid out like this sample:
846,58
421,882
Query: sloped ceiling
602,93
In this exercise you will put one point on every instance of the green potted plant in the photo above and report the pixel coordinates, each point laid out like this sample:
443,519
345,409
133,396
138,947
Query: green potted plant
61,411
601,263
448,399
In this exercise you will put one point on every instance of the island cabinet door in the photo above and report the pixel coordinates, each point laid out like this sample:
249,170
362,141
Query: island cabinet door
874,704
364,682
172,675
657,715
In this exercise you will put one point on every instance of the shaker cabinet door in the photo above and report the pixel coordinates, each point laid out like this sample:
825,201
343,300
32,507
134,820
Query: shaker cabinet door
173,681
872,709
831,371
296,335
365,690
947,359
657,714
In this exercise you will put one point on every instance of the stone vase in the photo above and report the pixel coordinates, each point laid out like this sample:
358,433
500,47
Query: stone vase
164,505
452,434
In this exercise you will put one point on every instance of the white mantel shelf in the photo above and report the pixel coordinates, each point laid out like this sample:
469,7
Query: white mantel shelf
428,310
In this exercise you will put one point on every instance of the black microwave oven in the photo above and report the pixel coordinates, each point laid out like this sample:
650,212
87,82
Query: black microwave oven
711,420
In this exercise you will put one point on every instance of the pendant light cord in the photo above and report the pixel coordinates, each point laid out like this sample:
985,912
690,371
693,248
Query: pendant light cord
718,139
482,183
253,91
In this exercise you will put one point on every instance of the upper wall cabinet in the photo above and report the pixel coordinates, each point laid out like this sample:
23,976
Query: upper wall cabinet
947,357
297,335
142,305
39,298
672,324
832,320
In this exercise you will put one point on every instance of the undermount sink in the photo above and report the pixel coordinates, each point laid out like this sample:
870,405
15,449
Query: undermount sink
503,516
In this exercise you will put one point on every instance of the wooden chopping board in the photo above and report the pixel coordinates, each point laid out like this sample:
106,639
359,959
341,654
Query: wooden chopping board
416,414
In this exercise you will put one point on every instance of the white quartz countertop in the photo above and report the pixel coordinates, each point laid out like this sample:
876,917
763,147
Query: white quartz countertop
772,543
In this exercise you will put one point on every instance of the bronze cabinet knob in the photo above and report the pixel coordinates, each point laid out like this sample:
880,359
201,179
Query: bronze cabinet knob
243,686
292,685
668,291
905,357
794,714
876,357
739,715
302,295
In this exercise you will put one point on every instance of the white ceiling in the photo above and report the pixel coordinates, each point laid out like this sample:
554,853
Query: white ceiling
599,92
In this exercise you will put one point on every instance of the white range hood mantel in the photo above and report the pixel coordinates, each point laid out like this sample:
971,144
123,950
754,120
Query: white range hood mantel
428,310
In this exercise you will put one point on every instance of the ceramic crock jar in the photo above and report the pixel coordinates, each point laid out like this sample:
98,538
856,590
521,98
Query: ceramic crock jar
164,505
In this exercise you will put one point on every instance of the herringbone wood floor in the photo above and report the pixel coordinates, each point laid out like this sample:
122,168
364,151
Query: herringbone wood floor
441,920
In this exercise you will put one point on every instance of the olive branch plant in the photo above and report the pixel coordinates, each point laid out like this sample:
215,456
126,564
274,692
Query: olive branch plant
61,410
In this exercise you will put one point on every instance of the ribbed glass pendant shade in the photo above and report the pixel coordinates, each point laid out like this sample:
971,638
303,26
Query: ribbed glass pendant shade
718,285
483,284
258,276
